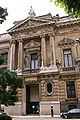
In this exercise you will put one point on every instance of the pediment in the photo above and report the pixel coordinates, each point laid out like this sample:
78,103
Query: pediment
66,41
32,44
30,22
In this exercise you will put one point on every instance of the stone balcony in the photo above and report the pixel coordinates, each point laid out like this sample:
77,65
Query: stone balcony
70,69
31,71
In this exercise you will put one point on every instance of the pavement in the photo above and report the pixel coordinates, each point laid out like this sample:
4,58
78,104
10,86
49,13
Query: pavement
38,118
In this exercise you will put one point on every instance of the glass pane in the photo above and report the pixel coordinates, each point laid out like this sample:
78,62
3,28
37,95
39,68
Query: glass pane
49,87
32,64
36,63
65,61
67,58
70,60
71,93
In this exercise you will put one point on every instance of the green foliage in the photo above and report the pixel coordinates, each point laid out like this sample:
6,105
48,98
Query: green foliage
3,14
5,117
9,83
1,60
70,6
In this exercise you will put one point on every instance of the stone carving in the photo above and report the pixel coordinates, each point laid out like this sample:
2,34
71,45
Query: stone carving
67,29
46,88
32,44
26,61
5,50
31,12
66,42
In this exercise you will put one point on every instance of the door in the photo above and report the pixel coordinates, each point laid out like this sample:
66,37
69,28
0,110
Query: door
28,111
32,99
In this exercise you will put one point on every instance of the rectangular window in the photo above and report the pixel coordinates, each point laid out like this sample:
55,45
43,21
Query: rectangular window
5,57
34,61
71,93
67,58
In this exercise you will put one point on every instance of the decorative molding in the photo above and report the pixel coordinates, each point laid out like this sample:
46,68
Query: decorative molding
67,29
46,89
32,44
4,50
66,42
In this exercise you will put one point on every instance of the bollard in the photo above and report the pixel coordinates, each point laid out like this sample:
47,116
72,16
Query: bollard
51,111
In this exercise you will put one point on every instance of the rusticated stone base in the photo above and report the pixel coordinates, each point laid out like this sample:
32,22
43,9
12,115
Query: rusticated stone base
14,110
45,107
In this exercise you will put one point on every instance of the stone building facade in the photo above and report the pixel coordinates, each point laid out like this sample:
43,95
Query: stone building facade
45,50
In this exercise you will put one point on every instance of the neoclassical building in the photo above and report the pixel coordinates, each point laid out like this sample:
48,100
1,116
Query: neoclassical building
45,51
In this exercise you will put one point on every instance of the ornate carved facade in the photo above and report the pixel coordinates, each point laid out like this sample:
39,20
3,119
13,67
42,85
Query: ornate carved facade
44,51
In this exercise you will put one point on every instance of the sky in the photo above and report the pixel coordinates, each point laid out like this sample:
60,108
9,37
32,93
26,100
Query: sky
19,9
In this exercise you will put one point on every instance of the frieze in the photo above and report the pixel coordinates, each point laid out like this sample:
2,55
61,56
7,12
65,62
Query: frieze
28,32
67,29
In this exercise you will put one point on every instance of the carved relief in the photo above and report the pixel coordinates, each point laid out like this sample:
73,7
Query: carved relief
5,50
66,42
32,44
27,60
67,29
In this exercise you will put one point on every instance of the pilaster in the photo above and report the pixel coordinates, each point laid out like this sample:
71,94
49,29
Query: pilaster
12,55
52,48
43,50
20,49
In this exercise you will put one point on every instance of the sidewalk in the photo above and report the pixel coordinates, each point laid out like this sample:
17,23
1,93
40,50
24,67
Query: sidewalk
36,117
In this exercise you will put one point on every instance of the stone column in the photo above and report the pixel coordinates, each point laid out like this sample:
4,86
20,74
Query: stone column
52,48
12,55
43,50
20,49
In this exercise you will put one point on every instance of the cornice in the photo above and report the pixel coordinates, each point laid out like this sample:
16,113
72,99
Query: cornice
59,24
31,27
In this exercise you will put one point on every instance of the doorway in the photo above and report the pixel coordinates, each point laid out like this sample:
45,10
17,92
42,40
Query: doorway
32,99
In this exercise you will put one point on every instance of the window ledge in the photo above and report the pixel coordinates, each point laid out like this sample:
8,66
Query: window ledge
71,99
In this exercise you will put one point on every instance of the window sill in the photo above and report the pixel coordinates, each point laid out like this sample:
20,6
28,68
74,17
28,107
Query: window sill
71,99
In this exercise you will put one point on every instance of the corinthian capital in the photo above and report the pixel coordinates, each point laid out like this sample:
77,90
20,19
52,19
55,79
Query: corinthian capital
20,40
42,36
51,34
12,41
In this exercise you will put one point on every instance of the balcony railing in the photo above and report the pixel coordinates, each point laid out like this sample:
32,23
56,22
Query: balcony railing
31,71
68,68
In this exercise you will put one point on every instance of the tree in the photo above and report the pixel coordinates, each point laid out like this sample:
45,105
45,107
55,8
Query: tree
70,6
9,84
3,14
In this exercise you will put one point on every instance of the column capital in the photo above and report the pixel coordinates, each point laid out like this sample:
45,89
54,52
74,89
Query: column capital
51,34
20,40
12,41
42,36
